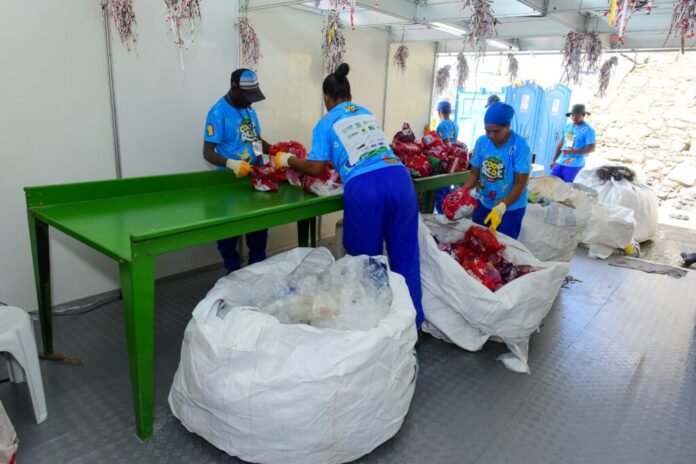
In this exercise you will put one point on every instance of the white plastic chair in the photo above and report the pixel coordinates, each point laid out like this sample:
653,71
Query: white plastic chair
17,340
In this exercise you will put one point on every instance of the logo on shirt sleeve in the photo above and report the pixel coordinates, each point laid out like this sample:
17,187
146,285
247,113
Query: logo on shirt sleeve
211,130
350,109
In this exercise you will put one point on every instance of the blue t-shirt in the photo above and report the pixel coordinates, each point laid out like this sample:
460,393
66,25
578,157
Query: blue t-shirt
234,130
351,138
577,137
498,167
447,130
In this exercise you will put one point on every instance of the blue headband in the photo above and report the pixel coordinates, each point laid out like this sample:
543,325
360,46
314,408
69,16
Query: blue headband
499,114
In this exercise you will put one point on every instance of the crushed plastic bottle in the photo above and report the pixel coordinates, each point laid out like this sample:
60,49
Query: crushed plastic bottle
352,293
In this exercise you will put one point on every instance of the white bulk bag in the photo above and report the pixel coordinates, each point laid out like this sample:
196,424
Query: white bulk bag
610,227
292,393
553,232
461,310
632,195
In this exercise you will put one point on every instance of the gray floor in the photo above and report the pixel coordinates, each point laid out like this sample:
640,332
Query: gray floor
613,381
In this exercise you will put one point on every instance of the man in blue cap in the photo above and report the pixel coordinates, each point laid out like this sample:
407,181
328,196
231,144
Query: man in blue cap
232,140
578,141
448,131
500,169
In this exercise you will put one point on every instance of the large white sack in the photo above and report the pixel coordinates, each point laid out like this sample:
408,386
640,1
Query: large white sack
553,232
277,393
632,195
461,310
610,227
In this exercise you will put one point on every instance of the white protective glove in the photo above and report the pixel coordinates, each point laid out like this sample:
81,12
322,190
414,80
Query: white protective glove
240,168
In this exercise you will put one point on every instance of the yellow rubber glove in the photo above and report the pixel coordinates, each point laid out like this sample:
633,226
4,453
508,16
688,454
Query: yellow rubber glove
240,168
495,217
281,160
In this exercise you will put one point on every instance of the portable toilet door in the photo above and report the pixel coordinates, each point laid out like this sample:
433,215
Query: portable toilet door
551,119
526,101
469,112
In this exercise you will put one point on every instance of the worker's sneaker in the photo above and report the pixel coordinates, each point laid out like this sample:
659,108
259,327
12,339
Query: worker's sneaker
689,258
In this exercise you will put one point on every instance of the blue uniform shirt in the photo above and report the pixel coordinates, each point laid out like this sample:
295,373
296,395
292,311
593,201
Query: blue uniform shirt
447,130
234,130
351,138
498,168
577,137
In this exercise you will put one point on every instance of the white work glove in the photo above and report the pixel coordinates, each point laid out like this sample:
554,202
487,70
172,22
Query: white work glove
281,160
495,217
240,168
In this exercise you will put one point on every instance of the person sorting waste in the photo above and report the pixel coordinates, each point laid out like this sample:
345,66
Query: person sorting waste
448,131
379,199
578,141
232,140
500,169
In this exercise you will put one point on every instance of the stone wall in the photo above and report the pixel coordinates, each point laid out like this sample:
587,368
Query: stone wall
648,122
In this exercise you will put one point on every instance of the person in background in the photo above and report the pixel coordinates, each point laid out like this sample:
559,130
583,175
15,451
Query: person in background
232,140
492,99
380,202
448,131
500,169
578,141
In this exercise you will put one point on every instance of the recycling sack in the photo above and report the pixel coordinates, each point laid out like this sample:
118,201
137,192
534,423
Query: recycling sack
270,392
553,230
610,227
461,310
632,195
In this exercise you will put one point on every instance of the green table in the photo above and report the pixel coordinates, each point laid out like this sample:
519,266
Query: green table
134,220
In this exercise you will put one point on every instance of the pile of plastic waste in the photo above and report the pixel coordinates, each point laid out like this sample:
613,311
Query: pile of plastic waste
352,293
481,255
429,156
266,178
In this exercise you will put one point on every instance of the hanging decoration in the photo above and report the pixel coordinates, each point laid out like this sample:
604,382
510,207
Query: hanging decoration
400,57
684,21
249,42
181,17
442,78
513,67
620,12
572,57
124,20
462,69
605,74
592,51
401,54
481,25
343,4
334,42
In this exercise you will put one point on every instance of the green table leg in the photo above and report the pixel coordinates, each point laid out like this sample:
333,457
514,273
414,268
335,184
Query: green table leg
313,231
303,233
428,202
38,235
138,287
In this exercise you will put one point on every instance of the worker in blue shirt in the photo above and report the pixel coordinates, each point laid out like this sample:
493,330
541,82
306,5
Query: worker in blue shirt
232,140
500,169
577,142
448,131
379,200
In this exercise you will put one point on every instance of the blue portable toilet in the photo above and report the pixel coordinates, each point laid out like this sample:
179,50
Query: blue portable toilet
526,100
468,113
551,120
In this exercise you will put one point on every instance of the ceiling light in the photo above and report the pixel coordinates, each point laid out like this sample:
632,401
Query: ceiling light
449,29
497,44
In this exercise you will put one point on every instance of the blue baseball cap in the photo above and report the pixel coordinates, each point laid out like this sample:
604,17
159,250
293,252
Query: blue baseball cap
444,107
248,83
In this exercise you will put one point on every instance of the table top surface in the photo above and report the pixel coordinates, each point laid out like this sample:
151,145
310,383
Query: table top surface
111,222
